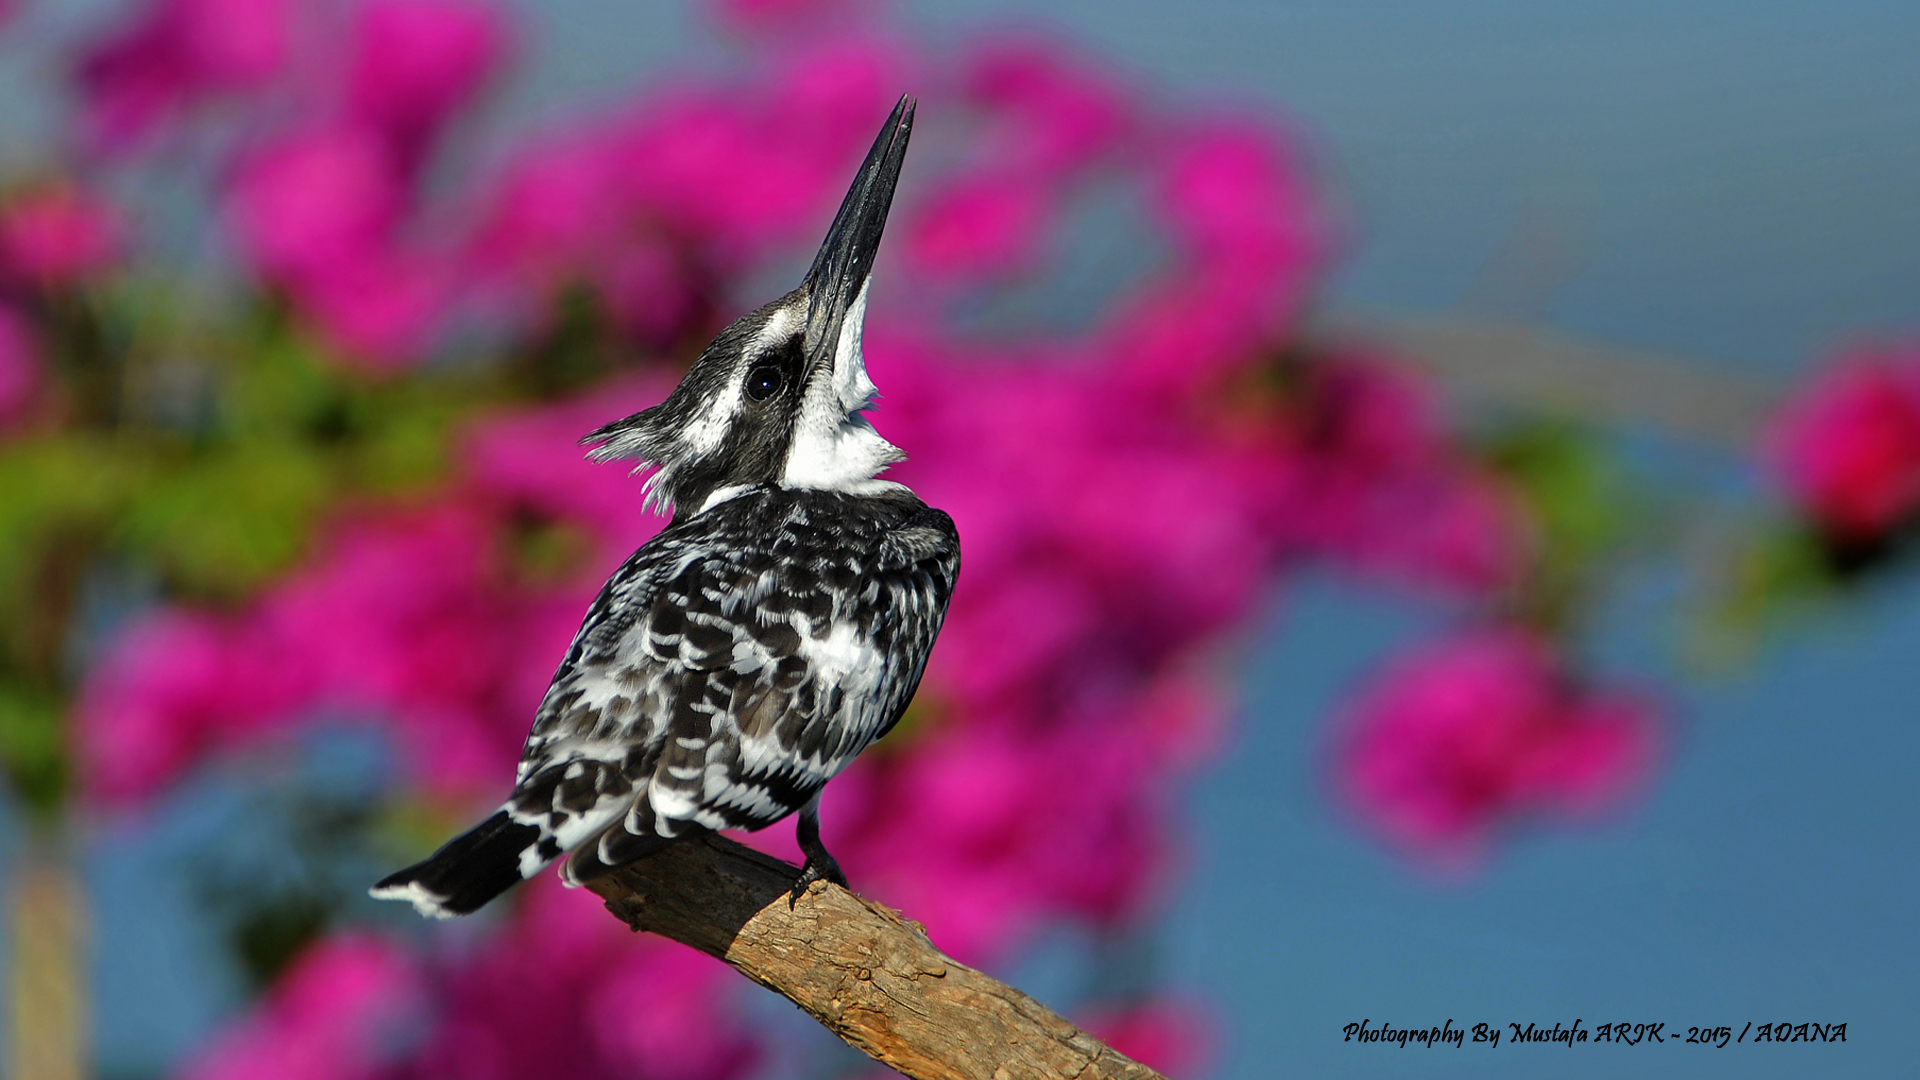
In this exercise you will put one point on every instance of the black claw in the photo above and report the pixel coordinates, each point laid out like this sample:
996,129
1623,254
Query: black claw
811,873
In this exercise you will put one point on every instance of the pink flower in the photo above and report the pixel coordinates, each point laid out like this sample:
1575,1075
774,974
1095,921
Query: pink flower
1172,1036
707,169
333,1015
151,705
1013,628
1231,191
1249,240
311,205
1362,471
1462,737
533,461
562,990
558,203
741,175
1848,448
979,226
177,54
316,215
646,208
402,618
383,309
562,217
978,800
57,236
664,1018
415,64
1449,526
407,618
19,365
649,291
1056,112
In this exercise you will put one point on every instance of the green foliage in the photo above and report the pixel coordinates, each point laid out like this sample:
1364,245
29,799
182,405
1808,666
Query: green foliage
266,937
56,494
33,743
1769,575
1780,567
223,523
547,553
1583,507
204,454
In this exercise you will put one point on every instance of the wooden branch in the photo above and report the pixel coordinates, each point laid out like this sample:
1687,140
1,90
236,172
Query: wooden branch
870,976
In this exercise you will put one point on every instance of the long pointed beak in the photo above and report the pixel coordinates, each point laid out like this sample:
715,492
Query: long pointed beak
845,262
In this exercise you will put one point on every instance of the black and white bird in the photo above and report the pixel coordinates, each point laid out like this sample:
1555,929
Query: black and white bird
777,627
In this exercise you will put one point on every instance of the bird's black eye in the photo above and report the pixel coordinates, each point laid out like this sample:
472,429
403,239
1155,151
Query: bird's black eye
764,381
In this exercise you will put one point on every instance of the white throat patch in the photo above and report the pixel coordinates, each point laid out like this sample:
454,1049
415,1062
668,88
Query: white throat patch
834,447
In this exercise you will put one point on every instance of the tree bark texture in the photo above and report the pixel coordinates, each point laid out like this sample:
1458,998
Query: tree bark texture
870,976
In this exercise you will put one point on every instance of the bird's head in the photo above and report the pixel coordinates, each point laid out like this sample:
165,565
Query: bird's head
778,396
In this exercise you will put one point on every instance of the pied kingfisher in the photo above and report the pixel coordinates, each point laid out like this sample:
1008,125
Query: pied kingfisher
780,624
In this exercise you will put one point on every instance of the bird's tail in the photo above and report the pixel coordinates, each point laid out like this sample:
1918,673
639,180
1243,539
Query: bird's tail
618,844
470,870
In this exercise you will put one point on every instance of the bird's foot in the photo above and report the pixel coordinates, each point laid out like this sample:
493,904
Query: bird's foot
820,867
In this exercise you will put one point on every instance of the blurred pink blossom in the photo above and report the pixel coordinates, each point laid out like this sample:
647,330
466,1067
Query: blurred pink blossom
741,173
1172,1036
979,800
1250,242
19,365
404,617
161,697
561,217
1452,525
177,54
1847,449
321,210
382,309
978,226
564,991
1055,111
1374,481
666,1018
415,64
58,236
334,1015
1231,192
409,617
648,207
316,214
557,204
972,807
532,460
311,205
1476,732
